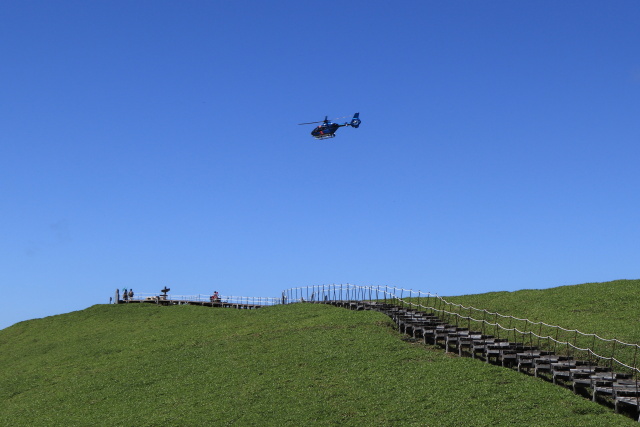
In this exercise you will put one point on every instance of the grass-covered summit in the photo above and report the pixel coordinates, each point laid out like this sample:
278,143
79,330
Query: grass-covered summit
299,364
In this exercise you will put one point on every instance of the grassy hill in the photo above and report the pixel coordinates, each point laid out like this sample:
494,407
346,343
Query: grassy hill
284,365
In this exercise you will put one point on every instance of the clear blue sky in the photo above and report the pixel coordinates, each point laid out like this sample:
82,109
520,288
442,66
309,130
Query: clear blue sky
146,144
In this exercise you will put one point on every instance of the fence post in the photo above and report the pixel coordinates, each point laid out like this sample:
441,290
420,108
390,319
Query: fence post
540,335
613,352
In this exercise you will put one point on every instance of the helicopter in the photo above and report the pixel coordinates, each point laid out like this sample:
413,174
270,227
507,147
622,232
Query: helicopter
328,129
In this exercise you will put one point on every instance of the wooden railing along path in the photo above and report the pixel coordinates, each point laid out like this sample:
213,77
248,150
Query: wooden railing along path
223,301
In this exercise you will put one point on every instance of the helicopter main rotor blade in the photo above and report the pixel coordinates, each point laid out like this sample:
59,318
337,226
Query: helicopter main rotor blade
323,121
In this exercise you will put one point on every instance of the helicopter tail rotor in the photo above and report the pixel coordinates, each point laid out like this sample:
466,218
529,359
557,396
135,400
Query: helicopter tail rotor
355,122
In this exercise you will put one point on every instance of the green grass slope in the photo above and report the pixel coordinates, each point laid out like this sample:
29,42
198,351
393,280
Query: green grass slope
285,365
609,309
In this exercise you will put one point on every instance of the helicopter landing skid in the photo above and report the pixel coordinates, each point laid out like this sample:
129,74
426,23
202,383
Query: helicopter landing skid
331,135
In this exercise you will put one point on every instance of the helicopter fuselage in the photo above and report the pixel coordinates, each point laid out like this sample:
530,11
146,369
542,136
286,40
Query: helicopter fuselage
326,130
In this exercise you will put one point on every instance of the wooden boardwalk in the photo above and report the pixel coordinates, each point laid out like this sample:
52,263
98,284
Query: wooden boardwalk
218,304
599,383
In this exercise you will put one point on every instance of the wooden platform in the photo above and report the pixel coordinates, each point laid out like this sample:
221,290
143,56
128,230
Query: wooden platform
221,304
